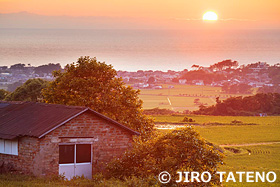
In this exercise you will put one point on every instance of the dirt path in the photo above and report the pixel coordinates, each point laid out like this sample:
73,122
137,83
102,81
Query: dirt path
248,144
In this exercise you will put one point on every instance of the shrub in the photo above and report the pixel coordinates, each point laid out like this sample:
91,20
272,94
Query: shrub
186,119
158,111
179,150
236,121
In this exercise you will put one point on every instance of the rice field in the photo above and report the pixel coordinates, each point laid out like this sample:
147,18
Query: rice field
246,147
182,97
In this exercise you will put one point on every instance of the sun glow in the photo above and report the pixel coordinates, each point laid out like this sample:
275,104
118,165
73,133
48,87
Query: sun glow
210,16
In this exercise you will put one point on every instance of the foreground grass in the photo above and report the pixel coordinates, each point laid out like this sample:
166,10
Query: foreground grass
13,180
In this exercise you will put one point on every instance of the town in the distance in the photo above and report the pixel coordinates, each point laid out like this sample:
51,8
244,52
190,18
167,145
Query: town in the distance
227,74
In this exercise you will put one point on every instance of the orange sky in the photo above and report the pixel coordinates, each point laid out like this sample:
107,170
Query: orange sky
265,13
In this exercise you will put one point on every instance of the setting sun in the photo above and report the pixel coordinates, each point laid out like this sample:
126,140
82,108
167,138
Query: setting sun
210,16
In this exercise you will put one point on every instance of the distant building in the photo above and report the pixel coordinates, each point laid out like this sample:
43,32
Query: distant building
182,81
198,82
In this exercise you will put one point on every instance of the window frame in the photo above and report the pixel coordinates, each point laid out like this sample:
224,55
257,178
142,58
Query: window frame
75,153
9,147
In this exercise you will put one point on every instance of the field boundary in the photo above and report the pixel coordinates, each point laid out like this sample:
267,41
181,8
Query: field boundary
248,144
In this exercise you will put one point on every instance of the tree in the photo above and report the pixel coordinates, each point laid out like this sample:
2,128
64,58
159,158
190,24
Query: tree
3,94
18,66
197,101
93,84
237,88
269,89
268,103
195,67
207,78
47,68
245,89
29,91
179,150
224,64
151,80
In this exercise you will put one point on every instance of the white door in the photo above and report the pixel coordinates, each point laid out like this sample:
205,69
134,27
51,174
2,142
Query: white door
75,160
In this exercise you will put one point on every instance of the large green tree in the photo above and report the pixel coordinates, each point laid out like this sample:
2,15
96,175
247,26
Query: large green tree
94,84
179,150
29,91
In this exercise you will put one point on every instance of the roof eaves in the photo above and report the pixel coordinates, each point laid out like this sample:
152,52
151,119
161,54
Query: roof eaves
7,136
63,123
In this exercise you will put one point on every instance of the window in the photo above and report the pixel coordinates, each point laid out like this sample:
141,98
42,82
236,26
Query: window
78,153
66,154
9,147
83,153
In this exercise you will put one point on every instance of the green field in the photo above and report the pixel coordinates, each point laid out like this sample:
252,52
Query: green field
219,119
181,97
246,148
262,158
258,146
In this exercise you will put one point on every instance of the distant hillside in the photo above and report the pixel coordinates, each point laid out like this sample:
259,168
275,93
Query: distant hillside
29,21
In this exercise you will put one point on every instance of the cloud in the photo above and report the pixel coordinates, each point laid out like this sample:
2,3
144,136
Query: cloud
236,19
187,19
200,19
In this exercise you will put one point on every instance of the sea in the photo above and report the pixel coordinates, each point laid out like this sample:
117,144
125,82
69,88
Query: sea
132,50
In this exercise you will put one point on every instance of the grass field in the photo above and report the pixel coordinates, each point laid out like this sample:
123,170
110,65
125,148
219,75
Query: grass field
182,97
248,157
262,158
219,119
252,154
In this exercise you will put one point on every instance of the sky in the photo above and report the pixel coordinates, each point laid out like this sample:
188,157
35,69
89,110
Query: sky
233,13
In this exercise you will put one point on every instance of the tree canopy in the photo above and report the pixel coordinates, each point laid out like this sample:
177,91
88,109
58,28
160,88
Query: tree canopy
47,68
224,65
268,103
237,88
94,84
29,91
208,78
18,66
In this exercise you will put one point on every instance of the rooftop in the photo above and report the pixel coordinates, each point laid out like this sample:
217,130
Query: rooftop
38,119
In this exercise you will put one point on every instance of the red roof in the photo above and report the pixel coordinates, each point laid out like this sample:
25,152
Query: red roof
38,119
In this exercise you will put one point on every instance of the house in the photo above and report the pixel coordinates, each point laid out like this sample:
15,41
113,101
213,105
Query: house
198,82
47,139
182,81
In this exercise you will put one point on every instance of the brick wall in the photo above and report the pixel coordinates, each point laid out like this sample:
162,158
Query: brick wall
41,156
28,147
